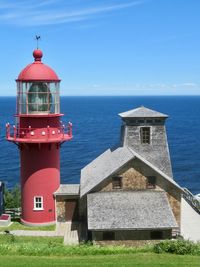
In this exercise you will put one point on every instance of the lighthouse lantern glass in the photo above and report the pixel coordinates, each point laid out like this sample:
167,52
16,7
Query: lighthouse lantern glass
38,98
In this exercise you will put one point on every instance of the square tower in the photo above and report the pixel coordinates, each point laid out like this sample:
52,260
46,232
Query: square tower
144,130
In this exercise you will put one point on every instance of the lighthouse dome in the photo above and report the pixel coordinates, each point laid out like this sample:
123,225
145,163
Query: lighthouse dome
37,71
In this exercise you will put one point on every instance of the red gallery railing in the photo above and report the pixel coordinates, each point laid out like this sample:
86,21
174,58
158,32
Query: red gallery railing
46,134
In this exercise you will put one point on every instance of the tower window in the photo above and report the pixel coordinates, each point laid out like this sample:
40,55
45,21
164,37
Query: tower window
117,182
38,203
145,135
151,182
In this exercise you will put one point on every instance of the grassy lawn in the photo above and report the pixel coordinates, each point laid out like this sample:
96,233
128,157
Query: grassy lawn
16,225
138,259
53,246
49,251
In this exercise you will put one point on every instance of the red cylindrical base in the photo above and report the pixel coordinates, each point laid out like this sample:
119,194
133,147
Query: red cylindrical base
40,178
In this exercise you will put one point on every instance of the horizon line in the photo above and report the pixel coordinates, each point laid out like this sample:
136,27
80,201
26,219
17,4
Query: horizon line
115,95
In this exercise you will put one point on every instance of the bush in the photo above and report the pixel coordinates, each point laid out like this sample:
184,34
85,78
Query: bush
180,247
12,197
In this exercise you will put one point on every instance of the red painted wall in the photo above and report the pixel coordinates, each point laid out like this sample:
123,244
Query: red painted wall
39,122
40,176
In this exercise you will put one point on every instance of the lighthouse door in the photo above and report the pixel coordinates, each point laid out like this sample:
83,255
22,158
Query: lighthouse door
71,210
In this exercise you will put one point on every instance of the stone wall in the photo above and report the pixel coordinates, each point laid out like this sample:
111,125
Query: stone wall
60,209
132,179
127,243
176,207
66,208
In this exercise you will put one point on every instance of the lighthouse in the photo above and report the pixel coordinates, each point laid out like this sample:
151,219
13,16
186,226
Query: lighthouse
38,133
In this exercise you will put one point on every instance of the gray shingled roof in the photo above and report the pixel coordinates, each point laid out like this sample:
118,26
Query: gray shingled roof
129,210
109,163
142,112
102,167
67,189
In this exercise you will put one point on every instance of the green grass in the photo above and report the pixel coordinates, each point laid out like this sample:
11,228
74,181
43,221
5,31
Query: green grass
138,260
39,240
16,225
49,251
53,246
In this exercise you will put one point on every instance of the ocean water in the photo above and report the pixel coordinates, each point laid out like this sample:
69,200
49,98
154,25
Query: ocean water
96,127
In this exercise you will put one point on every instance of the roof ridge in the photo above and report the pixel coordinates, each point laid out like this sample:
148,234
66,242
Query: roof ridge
142,112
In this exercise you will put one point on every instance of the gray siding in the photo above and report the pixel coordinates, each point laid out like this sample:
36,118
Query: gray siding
157,152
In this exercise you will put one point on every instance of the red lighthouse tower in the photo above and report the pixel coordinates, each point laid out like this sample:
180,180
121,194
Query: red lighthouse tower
38,134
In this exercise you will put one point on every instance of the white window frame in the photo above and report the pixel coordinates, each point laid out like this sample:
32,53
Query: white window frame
38,202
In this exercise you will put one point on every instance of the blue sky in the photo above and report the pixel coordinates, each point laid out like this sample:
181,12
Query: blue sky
108,47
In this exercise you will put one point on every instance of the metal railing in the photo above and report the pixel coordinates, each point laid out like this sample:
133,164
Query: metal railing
38,133
13,212
192,200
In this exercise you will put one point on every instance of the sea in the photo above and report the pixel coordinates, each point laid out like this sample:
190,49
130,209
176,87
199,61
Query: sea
96,127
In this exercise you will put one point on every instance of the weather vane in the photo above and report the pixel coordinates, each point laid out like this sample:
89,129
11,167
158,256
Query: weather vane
37,38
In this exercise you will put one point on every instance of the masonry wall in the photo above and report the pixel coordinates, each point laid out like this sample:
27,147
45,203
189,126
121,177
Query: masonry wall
66,209
127,243
60,209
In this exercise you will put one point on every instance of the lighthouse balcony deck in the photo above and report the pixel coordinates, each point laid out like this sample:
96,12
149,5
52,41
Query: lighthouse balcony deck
39,135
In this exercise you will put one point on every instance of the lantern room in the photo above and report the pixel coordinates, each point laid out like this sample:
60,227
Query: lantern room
38,89
38,106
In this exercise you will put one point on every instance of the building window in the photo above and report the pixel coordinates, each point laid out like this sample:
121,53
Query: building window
156,235
145,135
151,182
38,203
117,182
108,235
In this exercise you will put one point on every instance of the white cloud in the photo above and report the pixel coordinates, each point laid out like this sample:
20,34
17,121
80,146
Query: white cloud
37,13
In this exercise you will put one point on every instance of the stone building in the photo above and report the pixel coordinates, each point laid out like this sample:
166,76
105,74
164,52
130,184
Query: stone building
127,193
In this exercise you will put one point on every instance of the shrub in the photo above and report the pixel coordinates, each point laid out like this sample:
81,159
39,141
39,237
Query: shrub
180,247
12,197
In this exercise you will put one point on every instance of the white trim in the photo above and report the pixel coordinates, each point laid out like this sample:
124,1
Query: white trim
38,202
